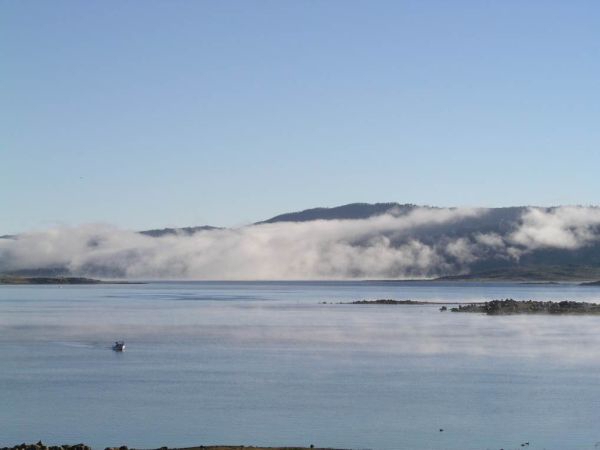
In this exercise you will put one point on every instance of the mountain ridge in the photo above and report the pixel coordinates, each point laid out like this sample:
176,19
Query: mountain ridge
366,241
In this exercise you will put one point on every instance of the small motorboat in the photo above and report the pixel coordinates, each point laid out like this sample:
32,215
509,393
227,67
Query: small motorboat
119,346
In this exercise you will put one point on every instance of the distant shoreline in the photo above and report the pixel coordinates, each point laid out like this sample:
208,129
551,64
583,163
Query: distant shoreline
16,280
72,280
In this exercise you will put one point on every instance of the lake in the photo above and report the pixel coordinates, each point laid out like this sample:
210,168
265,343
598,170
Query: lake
266,363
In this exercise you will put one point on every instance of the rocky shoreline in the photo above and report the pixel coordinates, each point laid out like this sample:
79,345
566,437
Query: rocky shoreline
510,307
497,307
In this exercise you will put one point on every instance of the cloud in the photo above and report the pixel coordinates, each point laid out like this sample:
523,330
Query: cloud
422,243
491,240
567,227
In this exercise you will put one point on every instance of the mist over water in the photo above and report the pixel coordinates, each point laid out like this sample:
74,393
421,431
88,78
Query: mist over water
267,363
425,242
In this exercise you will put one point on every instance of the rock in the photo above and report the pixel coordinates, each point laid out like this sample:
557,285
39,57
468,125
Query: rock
510,306
387,301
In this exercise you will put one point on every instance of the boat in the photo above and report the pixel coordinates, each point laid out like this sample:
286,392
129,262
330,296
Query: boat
119,346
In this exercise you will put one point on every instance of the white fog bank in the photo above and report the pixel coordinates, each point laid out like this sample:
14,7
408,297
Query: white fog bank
419,244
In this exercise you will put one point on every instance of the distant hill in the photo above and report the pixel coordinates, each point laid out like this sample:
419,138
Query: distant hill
54,272
544,264
532,273
462,244
350,211
174,231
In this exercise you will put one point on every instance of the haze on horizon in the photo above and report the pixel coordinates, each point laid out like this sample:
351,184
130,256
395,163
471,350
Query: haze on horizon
154,114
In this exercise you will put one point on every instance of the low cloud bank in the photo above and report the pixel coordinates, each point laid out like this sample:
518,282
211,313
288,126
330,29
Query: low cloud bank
426,242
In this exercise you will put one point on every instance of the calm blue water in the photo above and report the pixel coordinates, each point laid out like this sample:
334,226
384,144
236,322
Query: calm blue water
267,364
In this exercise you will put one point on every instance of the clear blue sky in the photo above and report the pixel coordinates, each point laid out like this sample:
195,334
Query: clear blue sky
174,113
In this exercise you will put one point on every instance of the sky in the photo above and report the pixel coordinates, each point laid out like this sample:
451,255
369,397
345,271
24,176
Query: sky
146,114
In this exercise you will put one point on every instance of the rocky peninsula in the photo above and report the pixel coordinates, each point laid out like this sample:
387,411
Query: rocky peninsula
510,306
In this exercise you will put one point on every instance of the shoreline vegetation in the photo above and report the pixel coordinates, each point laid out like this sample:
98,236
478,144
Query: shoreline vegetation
40,446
